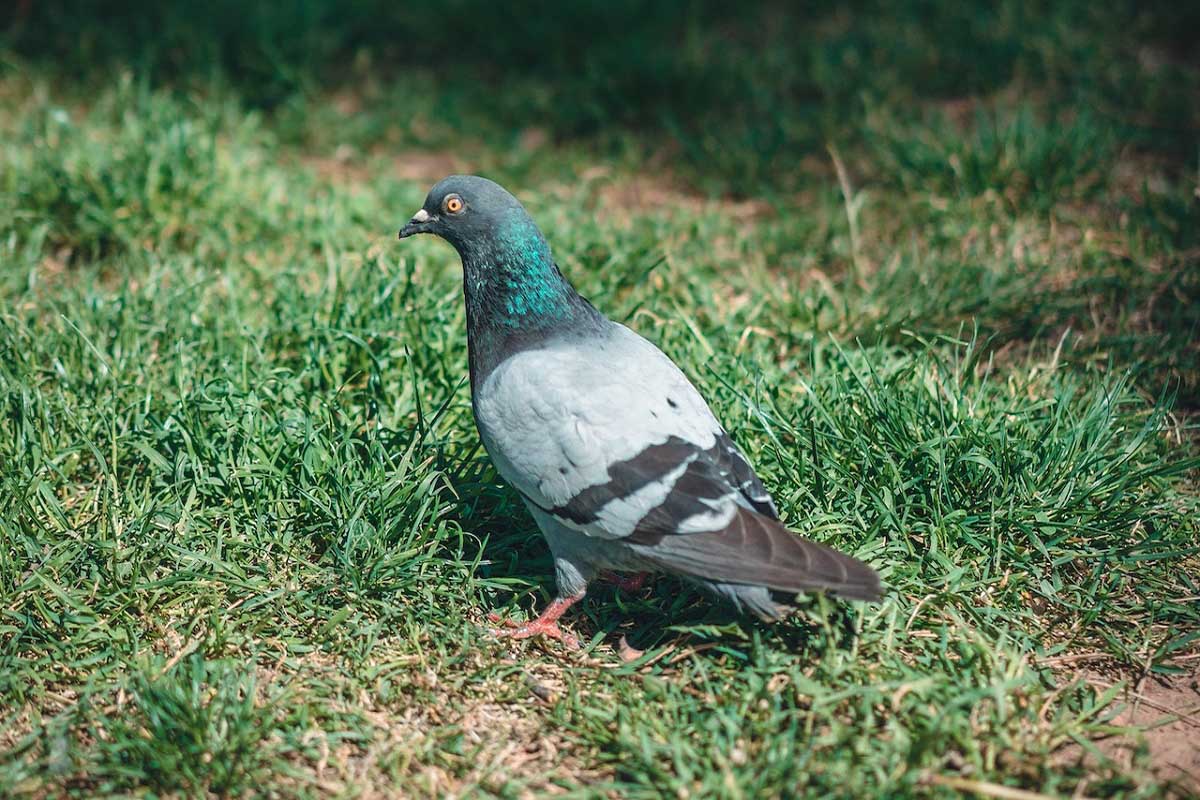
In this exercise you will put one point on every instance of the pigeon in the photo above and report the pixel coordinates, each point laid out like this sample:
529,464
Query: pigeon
618,458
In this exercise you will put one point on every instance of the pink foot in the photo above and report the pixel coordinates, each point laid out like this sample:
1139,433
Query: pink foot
544,625
633,583
517,630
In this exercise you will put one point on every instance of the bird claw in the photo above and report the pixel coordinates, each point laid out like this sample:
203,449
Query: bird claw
527,630
544,625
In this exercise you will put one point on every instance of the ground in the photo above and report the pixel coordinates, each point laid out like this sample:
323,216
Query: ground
936,267
1165,710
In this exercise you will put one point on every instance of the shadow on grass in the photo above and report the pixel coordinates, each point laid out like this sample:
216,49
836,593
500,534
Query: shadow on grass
515,561
739,94
680,616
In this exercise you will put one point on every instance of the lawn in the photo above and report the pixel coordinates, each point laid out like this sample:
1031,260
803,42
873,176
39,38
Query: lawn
936,266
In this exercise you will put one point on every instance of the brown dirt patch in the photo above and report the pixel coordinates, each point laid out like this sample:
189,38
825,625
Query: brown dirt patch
346,167
427,166
1165,713
629,195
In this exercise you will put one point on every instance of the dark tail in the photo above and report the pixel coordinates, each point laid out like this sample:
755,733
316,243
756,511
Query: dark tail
758,551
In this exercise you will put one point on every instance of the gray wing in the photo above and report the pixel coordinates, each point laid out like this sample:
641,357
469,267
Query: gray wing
699,479
718,523
610,439
597,432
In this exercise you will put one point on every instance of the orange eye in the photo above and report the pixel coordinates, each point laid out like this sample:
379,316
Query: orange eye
453,204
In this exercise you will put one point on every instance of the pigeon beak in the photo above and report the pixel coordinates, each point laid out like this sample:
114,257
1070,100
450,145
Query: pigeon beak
421,222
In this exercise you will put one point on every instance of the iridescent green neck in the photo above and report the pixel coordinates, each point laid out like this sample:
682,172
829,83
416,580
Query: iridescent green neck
513,281
516,297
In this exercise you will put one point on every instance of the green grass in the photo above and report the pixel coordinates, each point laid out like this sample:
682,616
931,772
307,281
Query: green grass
248,536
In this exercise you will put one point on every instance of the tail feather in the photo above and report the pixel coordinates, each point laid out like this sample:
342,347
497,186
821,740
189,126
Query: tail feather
758,551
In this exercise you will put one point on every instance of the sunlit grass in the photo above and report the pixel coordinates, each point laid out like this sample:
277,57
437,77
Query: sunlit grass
248,534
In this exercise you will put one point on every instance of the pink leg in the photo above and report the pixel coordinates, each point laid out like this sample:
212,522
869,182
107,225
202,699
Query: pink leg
544,625
631,584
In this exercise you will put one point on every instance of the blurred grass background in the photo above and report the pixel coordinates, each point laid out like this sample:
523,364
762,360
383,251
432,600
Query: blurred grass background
1062,110
935,264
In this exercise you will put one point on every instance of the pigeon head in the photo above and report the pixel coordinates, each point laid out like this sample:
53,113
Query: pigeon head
470,213
511,282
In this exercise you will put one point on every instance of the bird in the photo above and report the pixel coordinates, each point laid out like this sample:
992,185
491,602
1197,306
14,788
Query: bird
618,458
